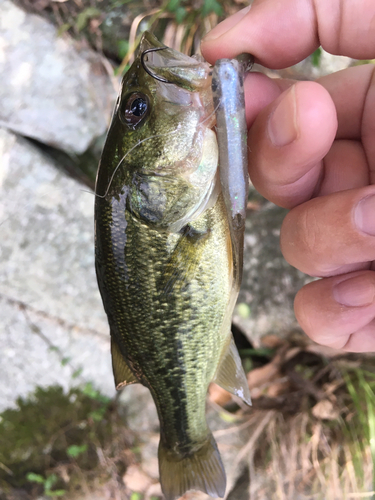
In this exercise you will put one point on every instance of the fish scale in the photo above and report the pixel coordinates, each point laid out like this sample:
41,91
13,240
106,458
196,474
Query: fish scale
165,262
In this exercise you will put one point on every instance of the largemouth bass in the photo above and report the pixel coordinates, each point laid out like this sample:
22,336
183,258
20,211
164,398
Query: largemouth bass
168,257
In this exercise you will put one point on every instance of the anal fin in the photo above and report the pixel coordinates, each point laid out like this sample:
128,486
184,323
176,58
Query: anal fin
202,470
121,371
230,375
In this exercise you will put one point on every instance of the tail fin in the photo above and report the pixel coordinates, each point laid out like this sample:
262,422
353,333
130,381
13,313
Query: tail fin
202,471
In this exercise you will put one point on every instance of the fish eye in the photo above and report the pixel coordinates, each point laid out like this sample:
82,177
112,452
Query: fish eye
134,109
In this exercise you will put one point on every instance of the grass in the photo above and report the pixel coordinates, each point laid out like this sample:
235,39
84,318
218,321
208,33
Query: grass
312,436
321,447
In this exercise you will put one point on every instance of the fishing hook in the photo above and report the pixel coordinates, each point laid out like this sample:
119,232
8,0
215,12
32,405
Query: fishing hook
154,75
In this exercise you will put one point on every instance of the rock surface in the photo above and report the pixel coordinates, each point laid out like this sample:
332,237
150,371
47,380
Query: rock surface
269,284
52,321
50,90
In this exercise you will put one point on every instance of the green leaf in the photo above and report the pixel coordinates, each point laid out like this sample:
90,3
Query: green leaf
84,16
77,372
247,365
65,361
92,393
63,28
122,48
55,493
116,70
35,478
97,415
243,310
75,451
211,6
89,391
136,496
173,5
180,14
50,481
119,3
316,57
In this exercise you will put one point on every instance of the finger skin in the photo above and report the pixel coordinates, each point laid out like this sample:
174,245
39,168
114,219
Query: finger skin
345,167
349,90
280,34
333,324
339,106
320,237
288,175
260,91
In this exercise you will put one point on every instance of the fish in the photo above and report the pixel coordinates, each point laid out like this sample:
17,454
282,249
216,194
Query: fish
168,257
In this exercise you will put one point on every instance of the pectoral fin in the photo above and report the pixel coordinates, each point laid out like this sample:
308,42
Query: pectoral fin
184,260
230,375
121,371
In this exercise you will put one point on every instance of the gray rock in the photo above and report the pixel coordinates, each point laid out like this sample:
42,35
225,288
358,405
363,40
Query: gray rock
52,321
325,65
269,285
38,350
50,89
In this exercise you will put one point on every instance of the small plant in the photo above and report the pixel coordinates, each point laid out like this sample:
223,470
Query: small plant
47,483
316,57
74,451
360,422
54,436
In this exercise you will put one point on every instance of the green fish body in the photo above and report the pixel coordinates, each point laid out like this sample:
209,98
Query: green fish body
164,258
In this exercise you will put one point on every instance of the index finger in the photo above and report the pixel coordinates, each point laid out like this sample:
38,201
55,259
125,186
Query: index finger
280,34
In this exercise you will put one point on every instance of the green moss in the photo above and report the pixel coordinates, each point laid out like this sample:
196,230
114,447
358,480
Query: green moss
52,428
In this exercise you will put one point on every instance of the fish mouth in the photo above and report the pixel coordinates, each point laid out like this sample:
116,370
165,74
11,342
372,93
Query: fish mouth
171,67
181,79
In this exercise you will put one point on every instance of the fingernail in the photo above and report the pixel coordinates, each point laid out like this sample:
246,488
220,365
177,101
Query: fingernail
354,292
282,125
220,28
364,215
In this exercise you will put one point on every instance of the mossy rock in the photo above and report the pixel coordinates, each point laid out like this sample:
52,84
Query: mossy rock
44,429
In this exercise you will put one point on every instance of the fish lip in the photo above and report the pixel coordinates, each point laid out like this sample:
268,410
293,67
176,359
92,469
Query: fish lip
175,68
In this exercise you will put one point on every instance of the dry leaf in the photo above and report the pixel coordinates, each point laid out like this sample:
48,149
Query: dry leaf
136,480
265,374
325,410
218,395
271,341
278,387
153,491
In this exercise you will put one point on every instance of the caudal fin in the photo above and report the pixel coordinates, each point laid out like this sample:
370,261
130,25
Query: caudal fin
202,471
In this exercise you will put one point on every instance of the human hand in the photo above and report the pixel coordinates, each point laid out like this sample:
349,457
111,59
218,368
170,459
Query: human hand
313,151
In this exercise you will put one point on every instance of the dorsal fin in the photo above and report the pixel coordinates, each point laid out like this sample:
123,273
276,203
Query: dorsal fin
121,371
230,375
